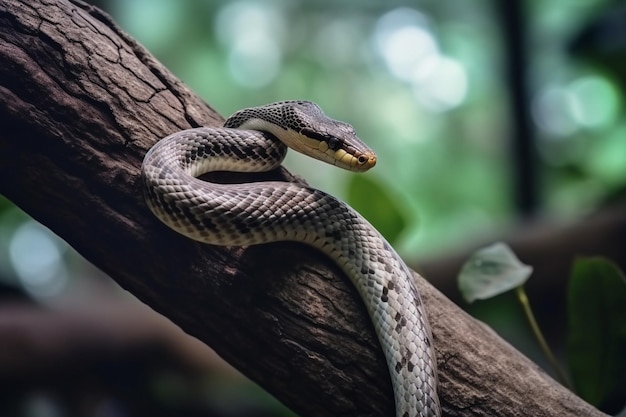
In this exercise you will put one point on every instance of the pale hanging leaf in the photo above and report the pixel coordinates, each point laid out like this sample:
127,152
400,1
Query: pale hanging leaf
491,271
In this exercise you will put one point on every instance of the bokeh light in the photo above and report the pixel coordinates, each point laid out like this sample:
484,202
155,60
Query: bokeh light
587,102
405,41
551,112
595,101
252,34
36,257
165,15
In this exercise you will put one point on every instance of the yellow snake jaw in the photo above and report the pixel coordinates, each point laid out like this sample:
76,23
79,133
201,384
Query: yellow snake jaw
262,212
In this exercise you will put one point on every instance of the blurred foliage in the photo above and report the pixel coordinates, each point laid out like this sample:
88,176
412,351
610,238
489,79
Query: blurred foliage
422,83
597,333
495,270
377,203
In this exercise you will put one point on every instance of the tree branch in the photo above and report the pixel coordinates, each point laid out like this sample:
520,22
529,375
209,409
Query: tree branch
80,103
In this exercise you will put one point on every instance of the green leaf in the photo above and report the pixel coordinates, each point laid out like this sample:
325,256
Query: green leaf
596,345
377,205
491,271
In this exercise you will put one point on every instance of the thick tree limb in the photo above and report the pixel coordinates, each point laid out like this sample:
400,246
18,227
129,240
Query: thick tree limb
80,103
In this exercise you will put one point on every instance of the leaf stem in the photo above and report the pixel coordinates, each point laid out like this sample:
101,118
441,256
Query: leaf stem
523,299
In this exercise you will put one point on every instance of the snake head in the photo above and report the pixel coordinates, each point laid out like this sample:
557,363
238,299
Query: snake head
303,126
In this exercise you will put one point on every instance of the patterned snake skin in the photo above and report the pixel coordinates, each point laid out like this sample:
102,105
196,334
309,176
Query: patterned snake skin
261,212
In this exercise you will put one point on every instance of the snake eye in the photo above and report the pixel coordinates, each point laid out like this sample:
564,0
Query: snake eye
333,143
361,159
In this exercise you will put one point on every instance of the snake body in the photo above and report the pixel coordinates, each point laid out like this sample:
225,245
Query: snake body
262,212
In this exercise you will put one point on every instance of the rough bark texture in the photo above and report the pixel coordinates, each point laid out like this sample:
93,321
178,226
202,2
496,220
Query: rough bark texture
80,103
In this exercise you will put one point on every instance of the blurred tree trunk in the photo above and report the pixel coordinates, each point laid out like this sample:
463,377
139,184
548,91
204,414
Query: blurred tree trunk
80,103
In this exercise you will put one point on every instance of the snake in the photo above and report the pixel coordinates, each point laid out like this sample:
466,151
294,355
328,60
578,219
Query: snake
256,139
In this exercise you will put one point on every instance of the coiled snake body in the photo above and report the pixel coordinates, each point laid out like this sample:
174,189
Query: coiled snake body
261,212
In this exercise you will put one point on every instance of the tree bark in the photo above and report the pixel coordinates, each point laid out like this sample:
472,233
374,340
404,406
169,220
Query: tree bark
81,102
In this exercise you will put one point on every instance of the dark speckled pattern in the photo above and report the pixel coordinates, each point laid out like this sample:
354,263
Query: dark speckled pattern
256,213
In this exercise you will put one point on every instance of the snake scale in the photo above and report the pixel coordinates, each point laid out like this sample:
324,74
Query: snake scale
254,140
